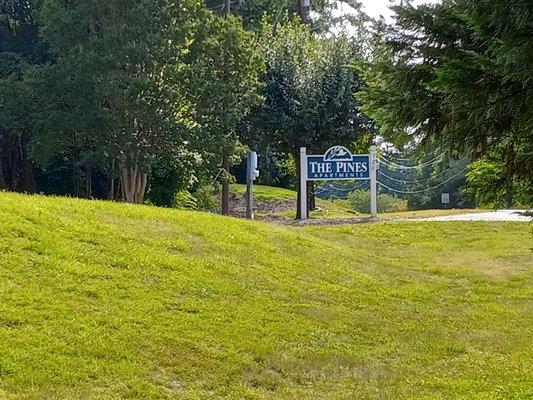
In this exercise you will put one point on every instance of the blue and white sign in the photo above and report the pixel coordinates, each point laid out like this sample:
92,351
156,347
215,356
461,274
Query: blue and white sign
338,164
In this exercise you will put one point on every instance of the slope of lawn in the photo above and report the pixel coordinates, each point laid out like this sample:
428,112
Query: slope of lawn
103,300
265,193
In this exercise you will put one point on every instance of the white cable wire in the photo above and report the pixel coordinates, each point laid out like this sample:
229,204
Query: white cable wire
333,187
347,189
408,167
427,189
425,179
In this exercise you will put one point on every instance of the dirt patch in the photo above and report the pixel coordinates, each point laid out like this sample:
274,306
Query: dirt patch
274,210
329,221
266,209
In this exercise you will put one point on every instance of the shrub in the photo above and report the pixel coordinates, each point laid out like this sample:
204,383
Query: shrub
204,198
359,200
183,199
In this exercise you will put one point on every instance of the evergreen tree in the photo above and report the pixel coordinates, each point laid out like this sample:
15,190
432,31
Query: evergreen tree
457,75
20,49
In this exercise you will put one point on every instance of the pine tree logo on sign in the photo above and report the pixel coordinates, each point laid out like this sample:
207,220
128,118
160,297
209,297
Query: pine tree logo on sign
337,153
338,164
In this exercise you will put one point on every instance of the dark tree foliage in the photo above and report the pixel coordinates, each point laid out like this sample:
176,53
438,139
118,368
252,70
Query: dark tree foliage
121,89
20,48
309,94
457,75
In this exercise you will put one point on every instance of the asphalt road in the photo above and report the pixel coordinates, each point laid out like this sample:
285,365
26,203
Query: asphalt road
499,215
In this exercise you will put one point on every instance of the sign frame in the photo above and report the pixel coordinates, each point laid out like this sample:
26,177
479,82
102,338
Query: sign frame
339,163
363,165
445,199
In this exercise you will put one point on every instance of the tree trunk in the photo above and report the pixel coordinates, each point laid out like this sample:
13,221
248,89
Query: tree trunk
16,167
14,162
27,178
118,189
311,200
111,186
225,208
88,181
3,183
133,184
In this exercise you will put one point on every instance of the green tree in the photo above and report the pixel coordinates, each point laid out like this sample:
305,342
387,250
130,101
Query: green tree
488,186
309,93
20,48
457,75
141,87
108,90
221,83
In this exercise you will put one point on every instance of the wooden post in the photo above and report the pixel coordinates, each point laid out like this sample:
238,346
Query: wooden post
373,183
303,183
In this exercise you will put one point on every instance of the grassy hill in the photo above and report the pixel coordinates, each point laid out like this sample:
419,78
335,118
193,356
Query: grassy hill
102,300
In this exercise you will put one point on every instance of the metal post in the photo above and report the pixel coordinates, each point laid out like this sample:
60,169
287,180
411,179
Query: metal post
250,174
303,183
373,183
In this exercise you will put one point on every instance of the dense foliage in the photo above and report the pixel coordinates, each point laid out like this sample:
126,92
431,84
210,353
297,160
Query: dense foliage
141,100
457,75
131,89
309,94
359,200
484,184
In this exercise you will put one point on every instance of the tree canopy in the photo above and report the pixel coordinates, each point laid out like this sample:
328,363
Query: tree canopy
457,75
130,86
141,100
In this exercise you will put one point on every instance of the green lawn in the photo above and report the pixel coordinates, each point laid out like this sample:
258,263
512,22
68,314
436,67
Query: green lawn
266,192
102,300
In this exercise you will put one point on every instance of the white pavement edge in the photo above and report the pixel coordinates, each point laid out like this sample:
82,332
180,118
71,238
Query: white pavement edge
499,215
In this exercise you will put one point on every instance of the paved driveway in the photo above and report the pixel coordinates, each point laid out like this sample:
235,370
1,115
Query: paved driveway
499,215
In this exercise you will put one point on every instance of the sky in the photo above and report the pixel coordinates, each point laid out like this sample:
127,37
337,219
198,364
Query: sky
375,8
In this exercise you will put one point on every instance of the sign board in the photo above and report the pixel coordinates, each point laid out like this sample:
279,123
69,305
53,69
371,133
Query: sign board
445,198
338,164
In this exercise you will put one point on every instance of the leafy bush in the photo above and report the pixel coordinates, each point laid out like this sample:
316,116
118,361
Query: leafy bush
488,185
183,199
204,198
395,204
359,200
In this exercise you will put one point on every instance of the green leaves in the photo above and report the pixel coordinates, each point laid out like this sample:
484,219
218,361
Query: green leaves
458,74
308,92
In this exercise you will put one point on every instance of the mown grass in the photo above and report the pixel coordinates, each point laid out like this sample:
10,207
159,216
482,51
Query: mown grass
101,300
263,193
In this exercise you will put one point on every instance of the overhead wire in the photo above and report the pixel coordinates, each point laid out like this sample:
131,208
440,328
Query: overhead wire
392,164
424,190
424,179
